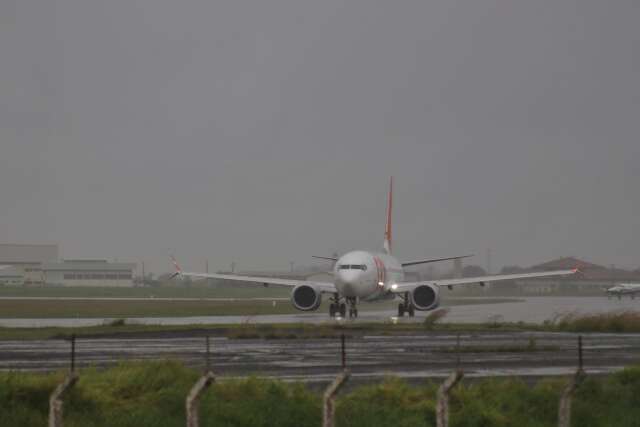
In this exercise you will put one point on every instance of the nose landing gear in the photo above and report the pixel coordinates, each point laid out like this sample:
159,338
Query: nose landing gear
337,308
353,311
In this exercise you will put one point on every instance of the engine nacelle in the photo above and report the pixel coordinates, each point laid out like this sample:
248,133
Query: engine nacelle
306,298
426,297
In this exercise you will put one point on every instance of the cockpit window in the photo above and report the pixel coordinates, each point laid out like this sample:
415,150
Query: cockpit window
362,267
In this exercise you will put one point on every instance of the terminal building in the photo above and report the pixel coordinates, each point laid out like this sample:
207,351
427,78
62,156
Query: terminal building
11,276
40,265
88,273
25,261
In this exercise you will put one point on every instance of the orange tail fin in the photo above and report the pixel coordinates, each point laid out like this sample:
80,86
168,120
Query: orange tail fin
388,235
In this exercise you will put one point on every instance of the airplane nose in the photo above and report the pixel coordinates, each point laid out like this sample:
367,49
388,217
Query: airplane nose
349,276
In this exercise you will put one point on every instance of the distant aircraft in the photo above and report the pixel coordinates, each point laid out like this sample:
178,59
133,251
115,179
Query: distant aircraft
622,289
370,276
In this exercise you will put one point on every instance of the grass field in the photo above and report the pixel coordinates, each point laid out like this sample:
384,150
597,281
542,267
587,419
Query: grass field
155,302
194,291
620,322
138,308
153,393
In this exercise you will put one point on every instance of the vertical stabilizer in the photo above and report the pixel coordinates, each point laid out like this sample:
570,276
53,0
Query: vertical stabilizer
388,235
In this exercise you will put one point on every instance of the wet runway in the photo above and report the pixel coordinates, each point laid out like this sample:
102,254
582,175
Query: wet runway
526,309
370,357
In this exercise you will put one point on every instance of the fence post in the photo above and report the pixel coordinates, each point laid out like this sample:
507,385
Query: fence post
193,398
442,408
56,399
329,411
564,409
343,351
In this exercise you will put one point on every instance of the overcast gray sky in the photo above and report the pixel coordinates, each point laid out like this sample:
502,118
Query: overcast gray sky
264,131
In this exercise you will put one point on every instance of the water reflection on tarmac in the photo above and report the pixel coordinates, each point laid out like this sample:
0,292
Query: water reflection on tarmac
527,309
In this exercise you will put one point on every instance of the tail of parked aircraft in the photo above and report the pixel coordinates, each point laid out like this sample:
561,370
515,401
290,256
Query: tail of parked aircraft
388,236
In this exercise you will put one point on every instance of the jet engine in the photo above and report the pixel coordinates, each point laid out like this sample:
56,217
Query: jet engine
306,298
426,297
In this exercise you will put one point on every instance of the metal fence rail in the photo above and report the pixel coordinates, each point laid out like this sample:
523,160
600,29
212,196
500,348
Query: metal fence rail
455,354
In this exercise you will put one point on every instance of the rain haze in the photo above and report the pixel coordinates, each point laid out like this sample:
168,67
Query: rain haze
264,132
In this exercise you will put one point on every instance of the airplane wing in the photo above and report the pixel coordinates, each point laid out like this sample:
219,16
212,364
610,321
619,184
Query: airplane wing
427,261
408,286
324,287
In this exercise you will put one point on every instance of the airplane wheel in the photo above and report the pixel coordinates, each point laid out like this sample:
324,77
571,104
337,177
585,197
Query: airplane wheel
332,310
355,312
412,311
343,310
400,310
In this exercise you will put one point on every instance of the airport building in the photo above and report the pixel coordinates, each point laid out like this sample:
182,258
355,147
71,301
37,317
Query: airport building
40,265
11,276
88,273
26,260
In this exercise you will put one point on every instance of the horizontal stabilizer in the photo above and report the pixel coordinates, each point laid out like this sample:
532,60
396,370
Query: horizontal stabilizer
325,257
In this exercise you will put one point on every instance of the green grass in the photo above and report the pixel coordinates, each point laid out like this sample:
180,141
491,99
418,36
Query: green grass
26,308
621,321
123,325
156,302
152,394
194,291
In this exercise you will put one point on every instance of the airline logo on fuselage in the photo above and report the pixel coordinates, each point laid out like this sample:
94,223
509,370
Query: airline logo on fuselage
380,270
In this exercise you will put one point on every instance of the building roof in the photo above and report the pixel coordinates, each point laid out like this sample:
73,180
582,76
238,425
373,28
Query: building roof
16,254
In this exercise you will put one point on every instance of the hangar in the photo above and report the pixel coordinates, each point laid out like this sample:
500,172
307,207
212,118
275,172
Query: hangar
88,272
40,265
25,260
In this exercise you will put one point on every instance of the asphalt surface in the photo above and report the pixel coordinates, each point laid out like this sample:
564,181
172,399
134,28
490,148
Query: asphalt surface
370,357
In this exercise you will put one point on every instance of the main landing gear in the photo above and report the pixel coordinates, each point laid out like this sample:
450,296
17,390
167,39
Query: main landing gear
353,311
338,308
406,306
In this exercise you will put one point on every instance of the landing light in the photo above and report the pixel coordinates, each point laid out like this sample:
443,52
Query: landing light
380,283
394,286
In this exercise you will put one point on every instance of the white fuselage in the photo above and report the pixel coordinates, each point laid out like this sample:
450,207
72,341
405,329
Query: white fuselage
628,288
367,275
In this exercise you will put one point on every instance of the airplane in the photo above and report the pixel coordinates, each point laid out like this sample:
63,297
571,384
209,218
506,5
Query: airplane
363,275
622,289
